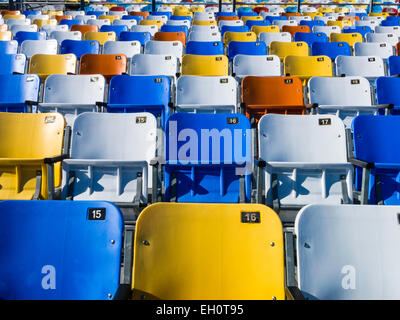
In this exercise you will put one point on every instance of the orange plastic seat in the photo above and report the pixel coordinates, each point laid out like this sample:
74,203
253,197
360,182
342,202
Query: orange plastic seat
144,14
398,48
108,65
5,12
59,18
170,36
262,95
291,14
85,28
293,29
227,18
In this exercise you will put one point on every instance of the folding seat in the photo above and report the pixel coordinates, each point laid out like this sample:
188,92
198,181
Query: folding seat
254,18
247,48
108,17
205,48
326,29
204,36
140,94
157,23
117,29
205,22
163,19
300,18
340,24
382,50
201,65
170,28
49,28
369,67
34,172
394,65
142,37
239,36
206,94
294,29
170,36
181,18
7,17
267,29
312,23
108,65
102,169
128,48
140,28
269,37
98,22
168,14
173,48
234,29
8,47
225,233
390,23
22,27
203,16
284,49
12,22
85,28
204,28
331,49
46,64
200,176
310,38
143,14
282,23
39,271
32,47
394,30
101,37
60,36
178,23
96,13
230,23
363,30
386,92
354,97
371,23
71,22
292,172
72,95
21,36
263,23
376,152
247,65
307,67
127,23
359,263
350,38
66,17
79,47
389,38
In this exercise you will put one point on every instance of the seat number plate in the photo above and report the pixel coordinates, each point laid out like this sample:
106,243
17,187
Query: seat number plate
251,217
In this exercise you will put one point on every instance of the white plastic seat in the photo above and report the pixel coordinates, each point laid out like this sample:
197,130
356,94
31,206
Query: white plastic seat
74,13
118,13
249,65
203,16
200,28
174,48
366,23
282,23
60,36
268,37
32,47
326,29
354,98
152,29
369,67
383,50
377,19
233,23
110,156
50,28
386,29
85,18
204,36
128,48
128,23
348,252
13,22
306,160
300,18
99,22
390,38
23,27
162,18
325,18
206,94
13,47
178,23
71,95
38,17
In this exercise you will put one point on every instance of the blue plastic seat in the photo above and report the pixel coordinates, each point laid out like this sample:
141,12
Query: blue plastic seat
272,18
250,23
21,36
312,23
96,13
129,17
225,14
171,28
142,37
246,14
203,172
253,48
31,12
394,65
212,48
140,94
115,28
161,13
71,22
390,23
181,18
376,143
234,29
361,15
79,47
16,90
60,250
363,30
8,47
12,63
330,49
387,92
310,37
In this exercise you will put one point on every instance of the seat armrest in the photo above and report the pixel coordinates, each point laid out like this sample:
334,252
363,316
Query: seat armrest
55,159
361,163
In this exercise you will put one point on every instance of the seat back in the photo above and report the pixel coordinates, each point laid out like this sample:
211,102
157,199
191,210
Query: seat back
153,64
389,38
117,29
382,50
247,65
47,264
79,47
18,88
85,28
171,36
248,48
328,30
32,47
12,63
174,48
46,64
174,228
205,48
394,65
8,47
101,37
307,67
350,38
364,66
200,65
21,36
294,29
386,92
239,36
60,36
330,49
310,38
107,65
284,49
345,252
128,48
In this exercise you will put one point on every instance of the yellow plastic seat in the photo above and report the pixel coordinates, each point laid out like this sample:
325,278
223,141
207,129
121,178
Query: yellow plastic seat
255,18
378,14
350,38
342,10
101,37
182,11
197,9
13,16
26,139
284,49
204,22
5,35
205,65
307,67
324,10
158,23
340,24
238,36
41,22
46,64
111,18
208,251
258,29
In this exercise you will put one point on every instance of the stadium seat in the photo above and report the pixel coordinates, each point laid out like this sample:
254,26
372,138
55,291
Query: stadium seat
312,23
110,157
107,65
386,92
383,29
142,37
369,67
282,23
206,94
127,23
382,50
330,49
157,23
60,36
170,36
204,36
310,38
12,63
60,95
235,28
338,23
251,23
45,256
101,37
171,28
238,36
128,48
140,94
98,22
71,22
23,27
211,48
154,64
117,29
32,47
85,28
255,48
394,65
46,64
307,67
262,95
363,30
21,36
268,29
294,29
328,30
109,17
173,48
79,47
389,38
164,230
34,172
200,65
8,47
246,65
350,38
284,49
198,174
303,171
338,259
269,37
50,28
